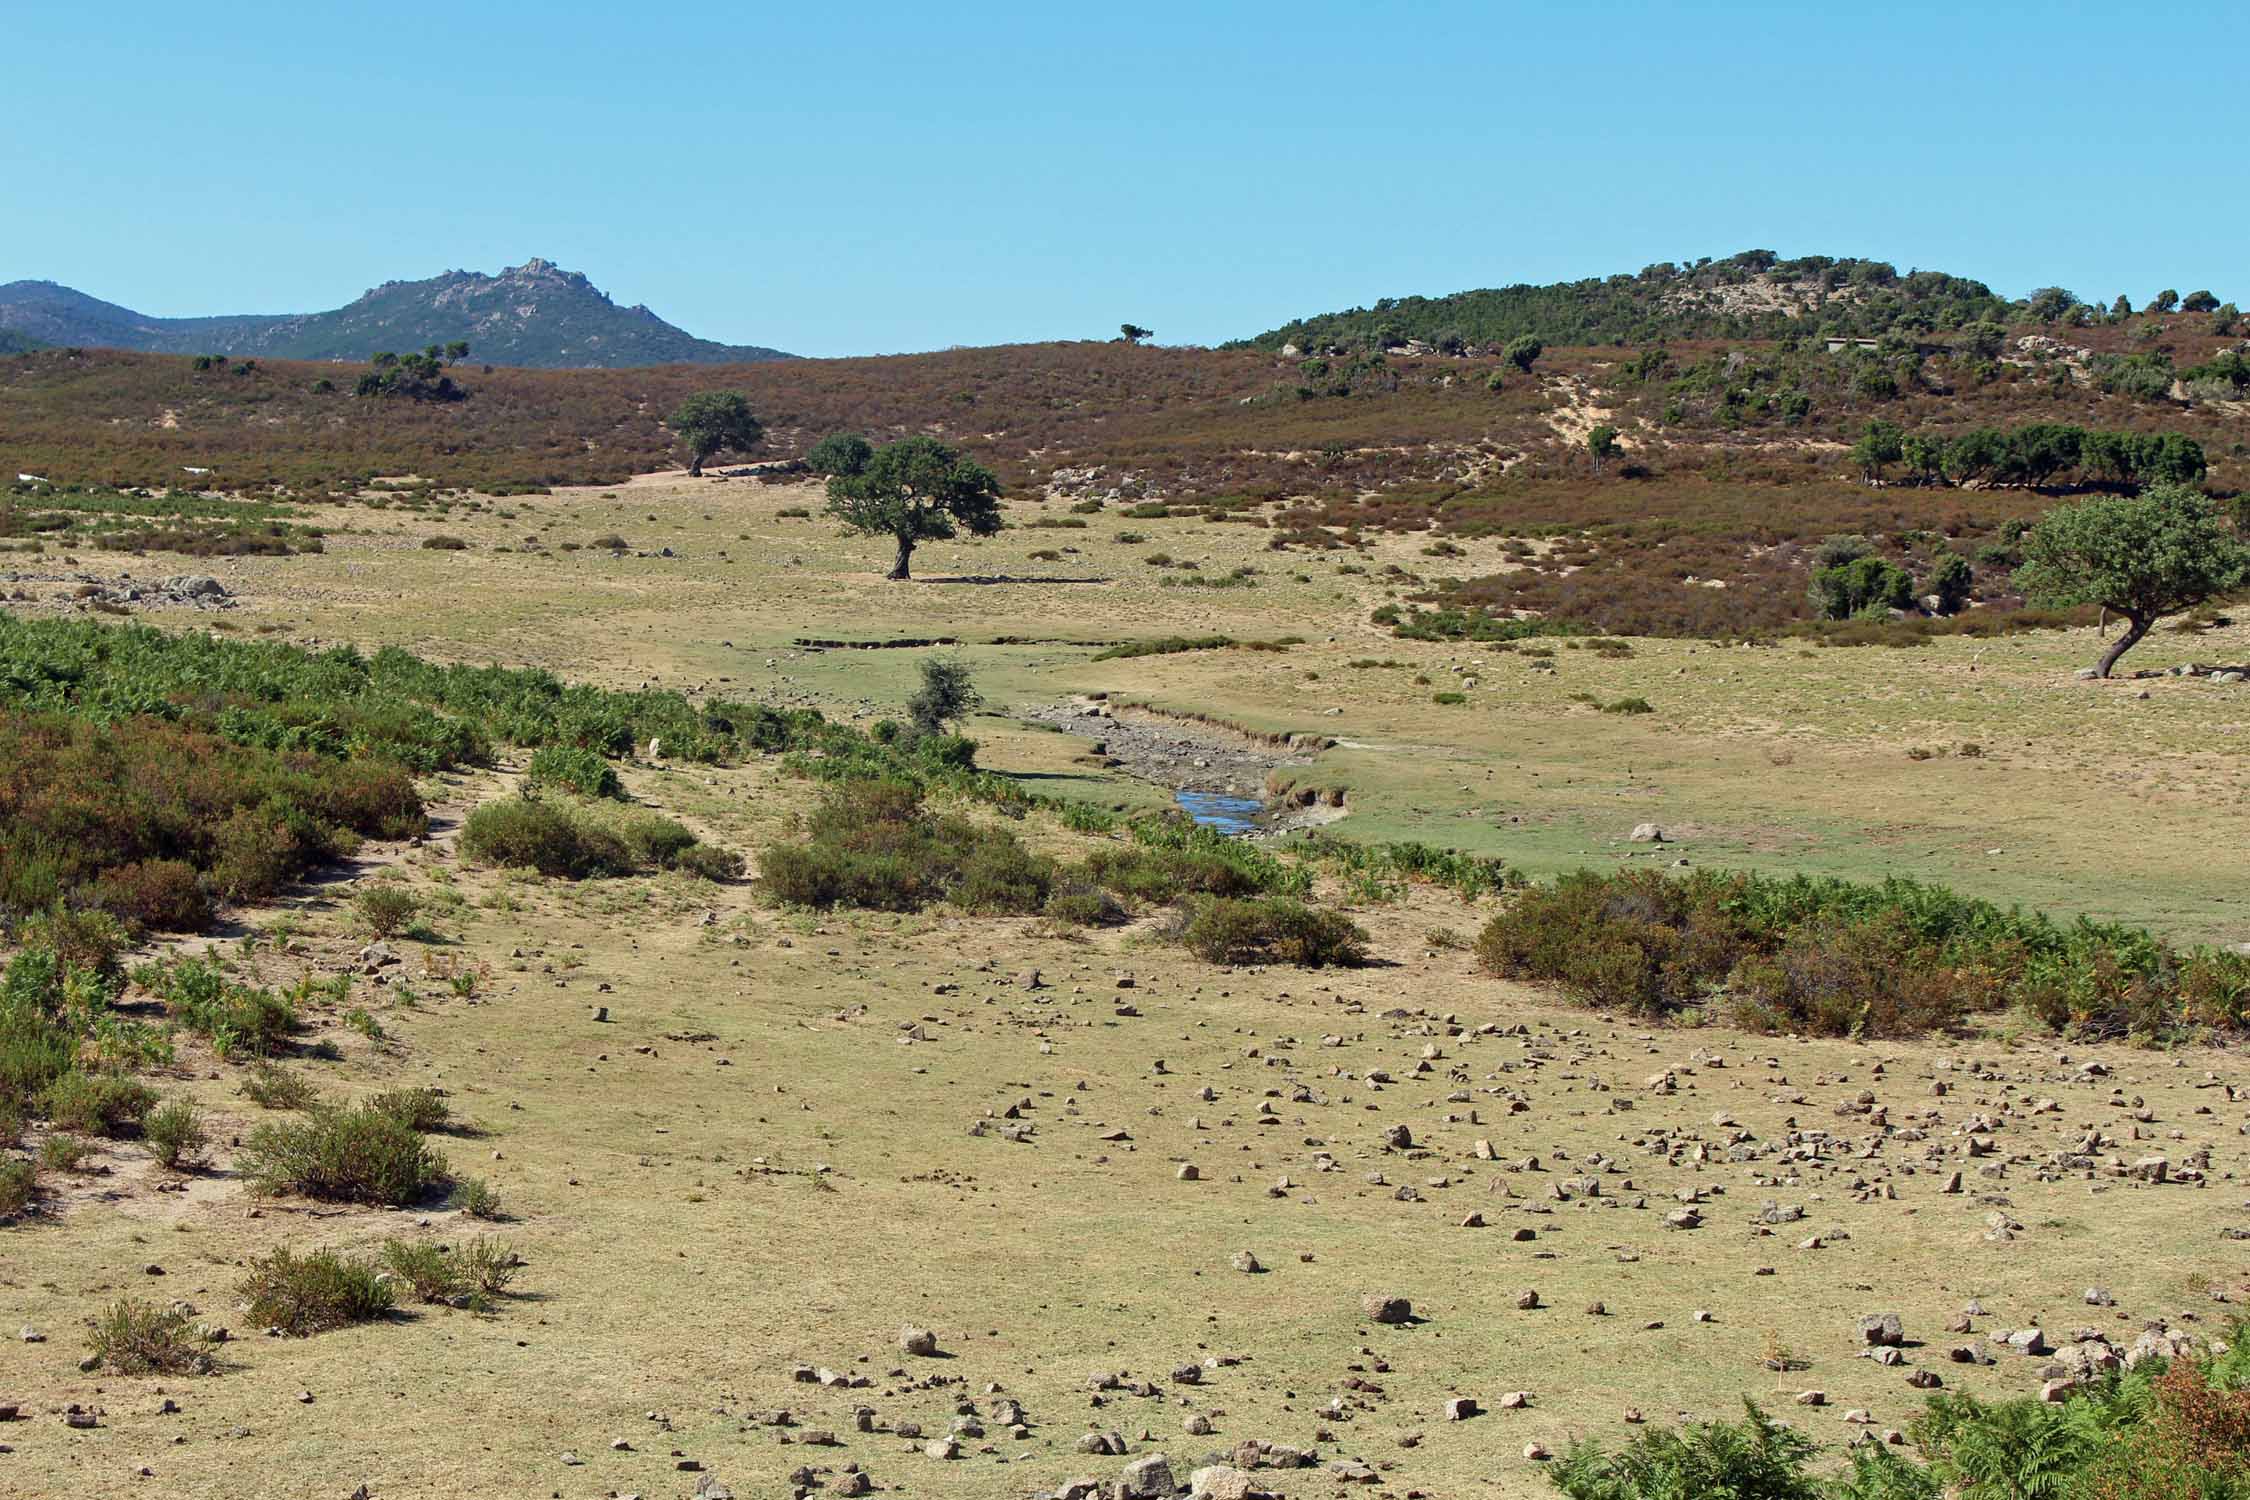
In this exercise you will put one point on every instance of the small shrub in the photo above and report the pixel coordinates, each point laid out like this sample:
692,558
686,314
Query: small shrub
103,1104
63,1153
1272,930
1629,706
709,863
476,1198
1449,700
132,1337
794,513
489,1264
422,1109
427,1269
19,1188
611,543
175,1134
443,543
1081,904
271,1086
343,1156
385,910
308,1294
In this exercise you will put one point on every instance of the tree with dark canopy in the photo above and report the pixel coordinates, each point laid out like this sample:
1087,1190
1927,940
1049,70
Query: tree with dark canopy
916,490
2144,556
712,421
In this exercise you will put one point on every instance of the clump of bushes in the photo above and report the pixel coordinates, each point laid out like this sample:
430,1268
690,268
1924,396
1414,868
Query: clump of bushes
578,841
442,543
240,1020
132,1337
109,1105
874,845
2158,1431
1223,930
361,1155
436,1272
574,769
307,1294
1837,958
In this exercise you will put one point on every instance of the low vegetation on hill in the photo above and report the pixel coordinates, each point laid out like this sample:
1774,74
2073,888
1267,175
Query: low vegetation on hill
1755,294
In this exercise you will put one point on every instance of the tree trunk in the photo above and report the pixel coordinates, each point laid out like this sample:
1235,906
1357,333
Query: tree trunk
2136,627
695,466
898,571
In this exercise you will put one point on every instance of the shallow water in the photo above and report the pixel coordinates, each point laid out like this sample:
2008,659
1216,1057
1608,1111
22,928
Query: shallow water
1217,810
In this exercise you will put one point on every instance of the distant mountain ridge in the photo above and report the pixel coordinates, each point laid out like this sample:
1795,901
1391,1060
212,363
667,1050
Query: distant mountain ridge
535,315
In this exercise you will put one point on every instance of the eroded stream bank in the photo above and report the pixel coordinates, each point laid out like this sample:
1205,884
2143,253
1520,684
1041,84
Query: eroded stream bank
1221,775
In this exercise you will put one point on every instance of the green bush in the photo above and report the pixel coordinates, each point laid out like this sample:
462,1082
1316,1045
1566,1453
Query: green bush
442,543
709,863
585,841
1082,904
530,834
308,1294
422,1109
1839,958
490,1264
476,1198
132,1337
1853,589
343,1156
103,1104
574,770
1272,930
175,1134
428,1270
1629,706
19,1188
386,910
64,1153
271,1086
873,845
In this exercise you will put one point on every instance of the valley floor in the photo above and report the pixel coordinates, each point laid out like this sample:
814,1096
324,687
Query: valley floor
782,1146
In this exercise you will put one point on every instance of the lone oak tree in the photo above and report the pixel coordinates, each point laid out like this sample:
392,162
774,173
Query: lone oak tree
916,490
2144,556
709,421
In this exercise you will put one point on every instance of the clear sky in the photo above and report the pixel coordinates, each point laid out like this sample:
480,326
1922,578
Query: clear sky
838,179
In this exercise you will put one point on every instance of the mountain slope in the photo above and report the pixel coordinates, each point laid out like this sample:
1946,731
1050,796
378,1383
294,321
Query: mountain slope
1752,295
535,314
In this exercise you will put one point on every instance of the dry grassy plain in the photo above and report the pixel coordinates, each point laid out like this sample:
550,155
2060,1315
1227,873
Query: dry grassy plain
765,1155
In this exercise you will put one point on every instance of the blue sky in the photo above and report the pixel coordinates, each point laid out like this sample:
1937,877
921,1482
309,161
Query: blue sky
882,177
